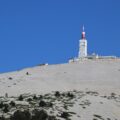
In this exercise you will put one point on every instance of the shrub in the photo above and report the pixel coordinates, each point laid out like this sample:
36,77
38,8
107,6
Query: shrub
29,99
35,97
40,97
10,78
63,94
19,115
2,118
40,115
113,94
1,105
50,104
5,110
65,115
6,95
20,98
5,107
27,73
70,95
42,103
52,118
12,103
57,94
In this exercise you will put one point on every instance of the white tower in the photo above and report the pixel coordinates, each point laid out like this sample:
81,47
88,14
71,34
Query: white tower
82,46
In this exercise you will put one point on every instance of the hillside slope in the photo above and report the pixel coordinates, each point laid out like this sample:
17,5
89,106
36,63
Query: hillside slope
94,83
100,75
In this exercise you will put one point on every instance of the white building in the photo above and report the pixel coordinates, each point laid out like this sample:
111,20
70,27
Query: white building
83,55
82,46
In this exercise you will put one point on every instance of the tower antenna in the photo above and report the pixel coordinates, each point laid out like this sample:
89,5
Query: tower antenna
83,28
83,32
82,45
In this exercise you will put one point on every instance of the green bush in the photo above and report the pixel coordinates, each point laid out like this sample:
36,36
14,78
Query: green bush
42,104
40,115
1,105
20,98
65,115
12,103
57,94
6,108
19,115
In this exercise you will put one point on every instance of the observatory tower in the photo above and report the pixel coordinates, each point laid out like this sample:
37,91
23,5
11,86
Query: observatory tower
82,55
82,45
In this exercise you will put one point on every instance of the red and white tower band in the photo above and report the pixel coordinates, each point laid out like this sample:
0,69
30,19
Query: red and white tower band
82,45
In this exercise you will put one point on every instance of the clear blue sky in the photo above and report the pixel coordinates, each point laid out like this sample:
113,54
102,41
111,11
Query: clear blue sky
48,31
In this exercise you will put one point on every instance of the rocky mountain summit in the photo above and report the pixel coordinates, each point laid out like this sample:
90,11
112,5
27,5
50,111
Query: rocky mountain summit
84,90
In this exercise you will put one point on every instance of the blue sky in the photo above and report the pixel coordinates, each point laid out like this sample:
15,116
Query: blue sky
48,31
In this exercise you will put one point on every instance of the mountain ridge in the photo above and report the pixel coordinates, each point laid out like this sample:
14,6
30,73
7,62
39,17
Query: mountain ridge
85,90
87,73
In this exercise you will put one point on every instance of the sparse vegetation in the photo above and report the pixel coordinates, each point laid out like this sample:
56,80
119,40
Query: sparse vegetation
70,95
35,97
21,115
20,98
2,118
51,106
65,115
29,99
40,115
6,109
27,73
12,103
42,104
57,94
10,78
1,105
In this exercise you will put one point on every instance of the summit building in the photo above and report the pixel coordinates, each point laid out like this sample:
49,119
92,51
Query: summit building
83,51
82,45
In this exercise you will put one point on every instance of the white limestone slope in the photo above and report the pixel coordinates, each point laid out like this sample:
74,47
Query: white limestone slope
102,75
